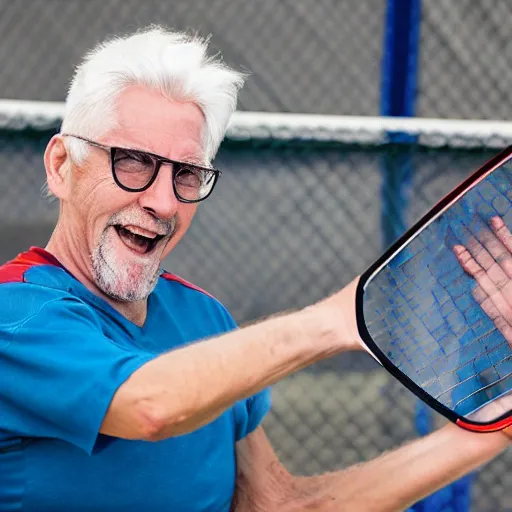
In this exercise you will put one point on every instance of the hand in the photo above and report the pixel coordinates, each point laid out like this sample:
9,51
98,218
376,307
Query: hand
489,262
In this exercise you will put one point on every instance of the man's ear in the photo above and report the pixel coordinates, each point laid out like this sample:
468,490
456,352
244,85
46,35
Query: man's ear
57,162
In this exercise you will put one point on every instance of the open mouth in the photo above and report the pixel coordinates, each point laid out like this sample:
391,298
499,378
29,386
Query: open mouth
136,242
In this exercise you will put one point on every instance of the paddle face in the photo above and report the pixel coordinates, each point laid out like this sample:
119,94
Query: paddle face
436,308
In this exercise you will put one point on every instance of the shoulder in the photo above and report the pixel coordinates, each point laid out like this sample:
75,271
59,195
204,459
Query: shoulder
15,270
29,283
173,278
194,300
35,266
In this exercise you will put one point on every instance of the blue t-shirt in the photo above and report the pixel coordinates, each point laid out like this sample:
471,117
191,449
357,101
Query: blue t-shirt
63,354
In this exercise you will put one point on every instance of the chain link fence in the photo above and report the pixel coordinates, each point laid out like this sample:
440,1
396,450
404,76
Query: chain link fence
295,218
319,57
301,54
465,49
291,221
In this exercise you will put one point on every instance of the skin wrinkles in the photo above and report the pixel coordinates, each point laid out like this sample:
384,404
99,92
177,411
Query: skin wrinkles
84,240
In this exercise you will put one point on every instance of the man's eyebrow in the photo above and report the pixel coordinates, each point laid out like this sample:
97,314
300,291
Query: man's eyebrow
138,150
194,160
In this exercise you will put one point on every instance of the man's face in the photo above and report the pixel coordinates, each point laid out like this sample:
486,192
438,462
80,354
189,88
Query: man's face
127,234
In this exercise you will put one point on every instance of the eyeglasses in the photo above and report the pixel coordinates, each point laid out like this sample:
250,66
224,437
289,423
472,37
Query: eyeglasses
134,170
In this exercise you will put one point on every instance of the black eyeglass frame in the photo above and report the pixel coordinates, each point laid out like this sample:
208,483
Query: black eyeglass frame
158,160
504,420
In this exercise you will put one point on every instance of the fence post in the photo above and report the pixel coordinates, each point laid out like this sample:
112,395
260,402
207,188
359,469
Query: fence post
398,98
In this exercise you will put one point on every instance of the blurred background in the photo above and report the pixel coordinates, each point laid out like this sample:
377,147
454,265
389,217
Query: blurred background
300,208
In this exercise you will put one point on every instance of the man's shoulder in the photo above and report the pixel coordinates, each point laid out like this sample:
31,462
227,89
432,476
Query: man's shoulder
21,268
193,299
29,281
179,281
15,270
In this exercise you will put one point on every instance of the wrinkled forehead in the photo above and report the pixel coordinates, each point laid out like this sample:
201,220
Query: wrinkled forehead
148,120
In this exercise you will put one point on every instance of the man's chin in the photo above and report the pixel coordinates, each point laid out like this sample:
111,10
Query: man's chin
126,292
124,283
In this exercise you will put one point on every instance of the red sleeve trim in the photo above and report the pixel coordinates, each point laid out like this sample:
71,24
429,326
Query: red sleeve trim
173,277
14,271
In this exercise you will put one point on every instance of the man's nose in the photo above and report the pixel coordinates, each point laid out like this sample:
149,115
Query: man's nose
159,198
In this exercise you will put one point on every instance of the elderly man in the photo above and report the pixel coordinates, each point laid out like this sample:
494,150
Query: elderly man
106,402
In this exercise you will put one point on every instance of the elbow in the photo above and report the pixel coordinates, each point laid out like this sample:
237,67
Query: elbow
148,413
151,421
155,423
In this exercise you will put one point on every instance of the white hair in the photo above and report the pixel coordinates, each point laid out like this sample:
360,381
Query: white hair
172,63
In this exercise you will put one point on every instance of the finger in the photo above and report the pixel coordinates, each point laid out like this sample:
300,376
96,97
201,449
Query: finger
502,232
486,252
494,256
487,262
471,266
477,250
493,313
497,260
499,244
479,295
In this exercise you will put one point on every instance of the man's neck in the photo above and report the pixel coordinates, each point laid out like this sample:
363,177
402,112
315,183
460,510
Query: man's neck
77,263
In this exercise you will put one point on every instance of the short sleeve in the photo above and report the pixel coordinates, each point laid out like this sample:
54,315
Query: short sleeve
59,372
249,413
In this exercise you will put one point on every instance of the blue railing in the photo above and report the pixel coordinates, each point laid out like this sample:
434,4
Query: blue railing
399,77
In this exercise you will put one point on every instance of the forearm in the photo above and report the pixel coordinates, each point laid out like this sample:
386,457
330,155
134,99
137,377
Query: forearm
398,479
188,387
197,383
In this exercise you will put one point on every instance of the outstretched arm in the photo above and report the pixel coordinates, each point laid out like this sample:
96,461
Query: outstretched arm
182,390
397,479
390,483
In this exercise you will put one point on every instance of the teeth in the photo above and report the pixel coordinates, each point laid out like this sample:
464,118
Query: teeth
135,242
139,241
141,232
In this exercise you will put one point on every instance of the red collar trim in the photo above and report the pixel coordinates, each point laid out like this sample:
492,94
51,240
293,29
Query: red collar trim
173,277
14,271
36,256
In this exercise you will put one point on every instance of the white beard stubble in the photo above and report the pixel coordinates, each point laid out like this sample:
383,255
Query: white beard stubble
124,280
